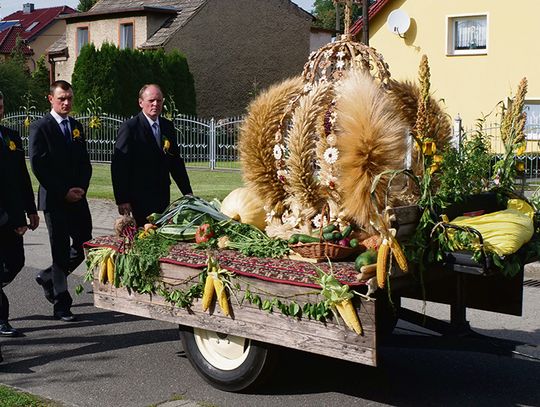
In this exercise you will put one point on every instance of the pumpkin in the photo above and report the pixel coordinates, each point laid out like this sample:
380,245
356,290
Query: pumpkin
244,205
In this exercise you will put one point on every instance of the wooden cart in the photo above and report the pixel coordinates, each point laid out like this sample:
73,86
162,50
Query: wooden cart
233,352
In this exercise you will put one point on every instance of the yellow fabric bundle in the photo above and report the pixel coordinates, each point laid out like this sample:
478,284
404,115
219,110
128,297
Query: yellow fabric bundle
504,232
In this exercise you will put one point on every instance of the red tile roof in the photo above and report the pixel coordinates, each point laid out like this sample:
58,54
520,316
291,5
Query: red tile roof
373,11
42,16
8,39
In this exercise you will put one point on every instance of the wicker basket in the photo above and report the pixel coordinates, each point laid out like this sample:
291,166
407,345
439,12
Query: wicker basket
324,250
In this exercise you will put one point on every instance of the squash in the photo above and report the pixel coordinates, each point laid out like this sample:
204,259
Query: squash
244,205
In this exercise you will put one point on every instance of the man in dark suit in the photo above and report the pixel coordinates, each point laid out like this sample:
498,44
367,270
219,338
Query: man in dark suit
60,161
16,204
145,153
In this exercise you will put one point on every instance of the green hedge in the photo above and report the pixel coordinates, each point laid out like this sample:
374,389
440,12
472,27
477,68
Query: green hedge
116,76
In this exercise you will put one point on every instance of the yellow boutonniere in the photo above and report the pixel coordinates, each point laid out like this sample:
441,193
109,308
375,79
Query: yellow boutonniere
12,145
27,122
166,145
76,134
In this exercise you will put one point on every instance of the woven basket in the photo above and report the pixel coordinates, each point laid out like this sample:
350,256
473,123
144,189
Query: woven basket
324,250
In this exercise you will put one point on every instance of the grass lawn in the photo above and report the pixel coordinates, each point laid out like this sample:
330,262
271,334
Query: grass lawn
205,183
12,398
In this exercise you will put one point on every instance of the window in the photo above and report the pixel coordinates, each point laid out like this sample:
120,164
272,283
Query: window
467,35
126,35
82,38
532,125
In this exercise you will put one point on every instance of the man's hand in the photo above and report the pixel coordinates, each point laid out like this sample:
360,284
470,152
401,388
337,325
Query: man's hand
74,194
124,208
21,230
34,221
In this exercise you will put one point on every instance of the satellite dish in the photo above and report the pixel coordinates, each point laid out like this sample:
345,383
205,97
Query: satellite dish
398,22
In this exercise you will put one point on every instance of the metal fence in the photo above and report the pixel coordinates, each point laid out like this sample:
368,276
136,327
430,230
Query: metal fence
204,143
212,144
531,157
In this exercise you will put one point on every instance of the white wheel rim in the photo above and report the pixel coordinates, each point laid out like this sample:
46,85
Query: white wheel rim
225,352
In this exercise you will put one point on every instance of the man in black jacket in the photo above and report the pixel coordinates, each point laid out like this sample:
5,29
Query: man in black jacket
16,204
60,162
145,153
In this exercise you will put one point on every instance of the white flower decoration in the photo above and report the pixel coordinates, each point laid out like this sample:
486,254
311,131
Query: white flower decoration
340,54
340,64
331,139
278,151
331,155
317,220
270,216
328,53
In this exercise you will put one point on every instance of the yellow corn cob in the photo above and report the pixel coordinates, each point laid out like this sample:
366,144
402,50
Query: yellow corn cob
103,270
208,292
382,263
397,251
222,296
348,313
110,269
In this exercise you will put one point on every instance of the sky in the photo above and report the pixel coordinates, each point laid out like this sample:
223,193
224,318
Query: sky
10,6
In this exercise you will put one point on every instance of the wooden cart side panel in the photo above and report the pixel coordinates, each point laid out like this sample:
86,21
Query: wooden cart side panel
329,339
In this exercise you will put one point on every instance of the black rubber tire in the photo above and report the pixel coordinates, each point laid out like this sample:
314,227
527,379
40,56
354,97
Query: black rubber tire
253,371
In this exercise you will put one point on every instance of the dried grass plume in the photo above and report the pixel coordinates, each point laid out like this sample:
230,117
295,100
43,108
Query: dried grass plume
371,139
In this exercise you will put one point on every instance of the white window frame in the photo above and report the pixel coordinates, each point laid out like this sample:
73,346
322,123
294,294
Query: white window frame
450,34
78,39
536,134
123,26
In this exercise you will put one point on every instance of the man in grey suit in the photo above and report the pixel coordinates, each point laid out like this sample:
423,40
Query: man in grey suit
60,162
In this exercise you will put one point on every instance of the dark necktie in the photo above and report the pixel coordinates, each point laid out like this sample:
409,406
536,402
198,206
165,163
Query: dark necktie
157,136
65,130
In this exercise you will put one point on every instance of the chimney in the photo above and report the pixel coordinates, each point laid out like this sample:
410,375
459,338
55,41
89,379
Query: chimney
28,8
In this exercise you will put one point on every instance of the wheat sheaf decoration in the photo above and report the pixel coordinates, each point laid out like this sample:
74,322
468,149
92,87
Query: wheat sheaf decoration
257,140
302,184
371,139
320,140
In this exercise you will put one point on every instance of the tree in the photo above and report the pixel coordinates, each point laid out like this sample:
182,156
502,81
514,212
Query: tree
85,5
325,13
39,84
115,76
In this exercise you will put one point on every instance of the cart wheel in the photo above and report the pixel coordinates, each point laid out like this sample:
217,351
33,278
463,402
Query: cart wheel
387,314
227,362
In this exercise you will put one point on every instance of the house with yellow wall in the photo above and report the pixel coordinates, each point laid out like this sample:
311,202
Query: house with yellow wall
478,51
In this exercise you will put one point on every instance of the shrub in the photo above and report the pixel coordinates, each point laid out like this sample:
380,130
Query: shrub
116,76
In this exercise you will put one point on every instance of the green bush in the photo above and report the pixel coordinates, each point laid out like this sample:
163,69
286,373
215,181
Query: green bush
116,76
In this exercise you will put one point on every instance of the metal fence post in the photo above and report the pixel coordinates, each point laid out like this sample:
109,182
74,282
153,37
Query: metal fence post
212,144
456,139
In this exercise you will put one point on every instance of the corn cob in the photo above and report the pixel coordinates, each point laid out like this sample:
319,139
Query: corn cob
397,251
222,296
110,269
382,263
208,292
103,270
348,313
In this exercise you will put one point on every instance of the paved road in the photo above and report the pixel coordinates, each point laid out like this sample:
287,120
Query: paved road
111,359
